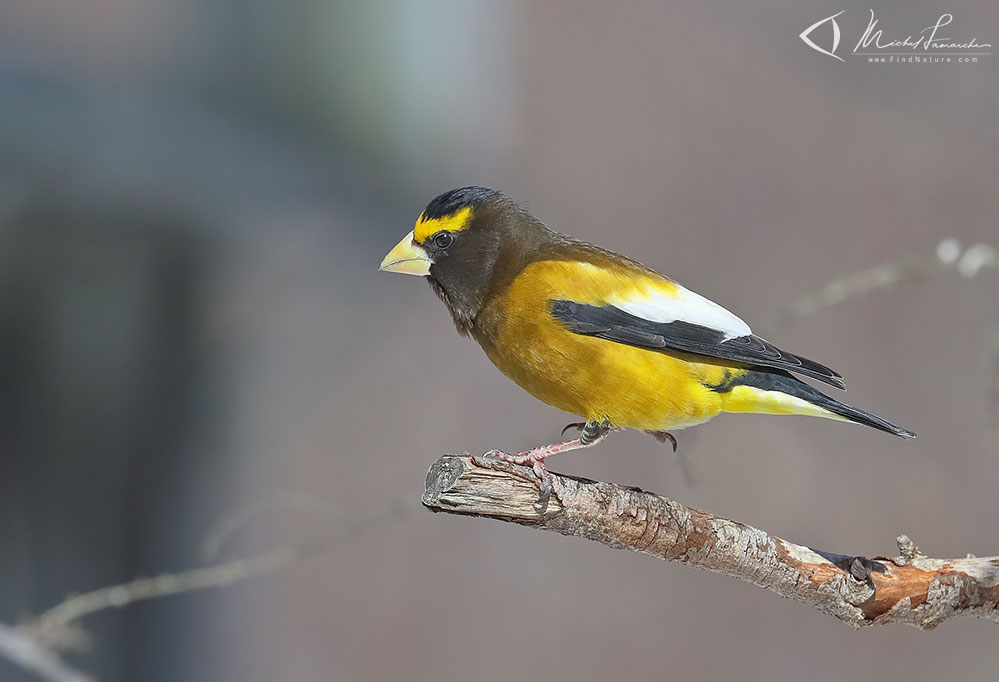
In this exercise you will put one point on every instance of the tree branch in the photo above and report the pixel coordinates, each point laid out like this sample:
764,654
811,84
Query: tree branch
164,585
19,647
909,588
949,255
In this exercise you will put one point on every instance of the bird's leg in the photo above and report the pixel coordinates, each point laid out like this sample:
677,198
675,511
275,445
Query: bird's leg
663,436
592,433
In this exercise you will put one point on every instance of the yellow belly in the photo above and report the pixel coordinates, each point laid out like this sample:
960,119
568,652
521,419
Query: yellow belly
598,379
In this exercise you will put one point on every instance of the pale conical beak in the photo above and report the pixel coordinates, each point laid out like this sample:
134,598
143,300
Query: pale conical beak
407,258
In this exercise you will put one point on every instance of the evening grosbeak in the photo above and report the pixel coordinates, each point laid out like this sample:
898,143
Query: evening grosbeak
597,334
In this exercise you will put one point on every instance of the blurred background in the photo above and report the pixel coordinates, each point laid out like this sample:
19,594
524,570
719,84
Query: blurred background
194,199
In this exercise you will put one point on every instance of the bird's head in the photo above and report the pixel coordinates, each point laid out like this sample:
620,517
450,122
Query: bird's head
467,242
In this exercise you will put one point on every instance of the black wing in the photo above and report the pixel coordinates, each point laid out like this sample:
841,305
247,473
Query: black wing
614,324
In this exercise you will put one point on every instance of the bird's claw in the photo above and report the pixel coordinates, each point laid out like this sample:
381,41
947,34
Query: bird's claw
579,426
663,436
545,488
537,464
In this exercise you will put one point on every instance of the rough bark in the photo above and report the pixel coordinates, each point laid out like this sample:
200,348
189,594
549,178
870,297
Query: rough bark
909,588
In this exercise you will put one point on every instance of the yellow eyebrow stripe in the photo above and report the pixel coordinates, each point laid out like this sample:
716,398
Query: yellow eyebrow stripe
457,221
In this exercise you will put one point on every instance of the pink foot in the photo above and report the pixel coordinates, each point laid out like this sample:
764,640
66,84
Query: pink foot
536,461
592,433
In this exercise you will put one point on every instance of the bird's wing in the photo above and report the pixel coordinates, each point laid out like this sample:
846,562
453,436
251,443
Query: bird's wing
671,318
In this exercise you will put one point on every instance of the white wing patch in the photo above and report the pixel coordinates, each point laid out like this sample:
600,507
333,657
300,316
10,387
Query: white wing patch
683,305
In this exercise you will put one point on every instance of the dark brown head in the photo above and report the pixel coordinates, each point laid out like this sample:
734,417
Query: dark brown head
468,242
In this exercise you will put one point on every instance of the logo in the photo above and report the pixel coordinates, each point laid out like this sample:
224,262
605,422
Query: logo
804,35
879,46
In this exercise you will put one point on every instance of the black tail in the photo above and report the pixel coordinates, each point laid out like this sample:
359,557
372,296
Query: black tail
778,380
855,414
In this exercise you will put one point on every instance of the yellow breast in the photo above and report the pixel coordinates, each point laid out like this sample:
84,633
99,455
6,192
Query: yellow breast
594,378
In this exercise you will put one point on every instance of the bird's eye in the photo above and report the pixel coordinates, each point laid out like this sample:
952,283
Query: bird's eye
442,240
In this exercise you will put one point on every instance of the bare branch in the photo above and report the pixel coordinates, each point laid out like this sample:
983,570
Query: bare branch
33,645
909,588
166,584
20,648
949,255
54,620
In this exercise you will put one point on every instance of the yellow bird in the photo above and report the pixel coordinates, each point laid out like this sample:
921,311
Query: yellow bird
597,334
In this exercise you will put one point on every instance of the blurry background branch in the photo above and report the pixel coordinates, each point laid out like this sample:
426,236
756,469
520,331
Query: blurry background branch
34,645
167,584
21,648
949,255
909,588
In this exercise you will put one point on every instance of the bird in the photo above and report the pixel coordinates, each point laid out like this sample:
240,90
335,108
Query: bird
597,334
